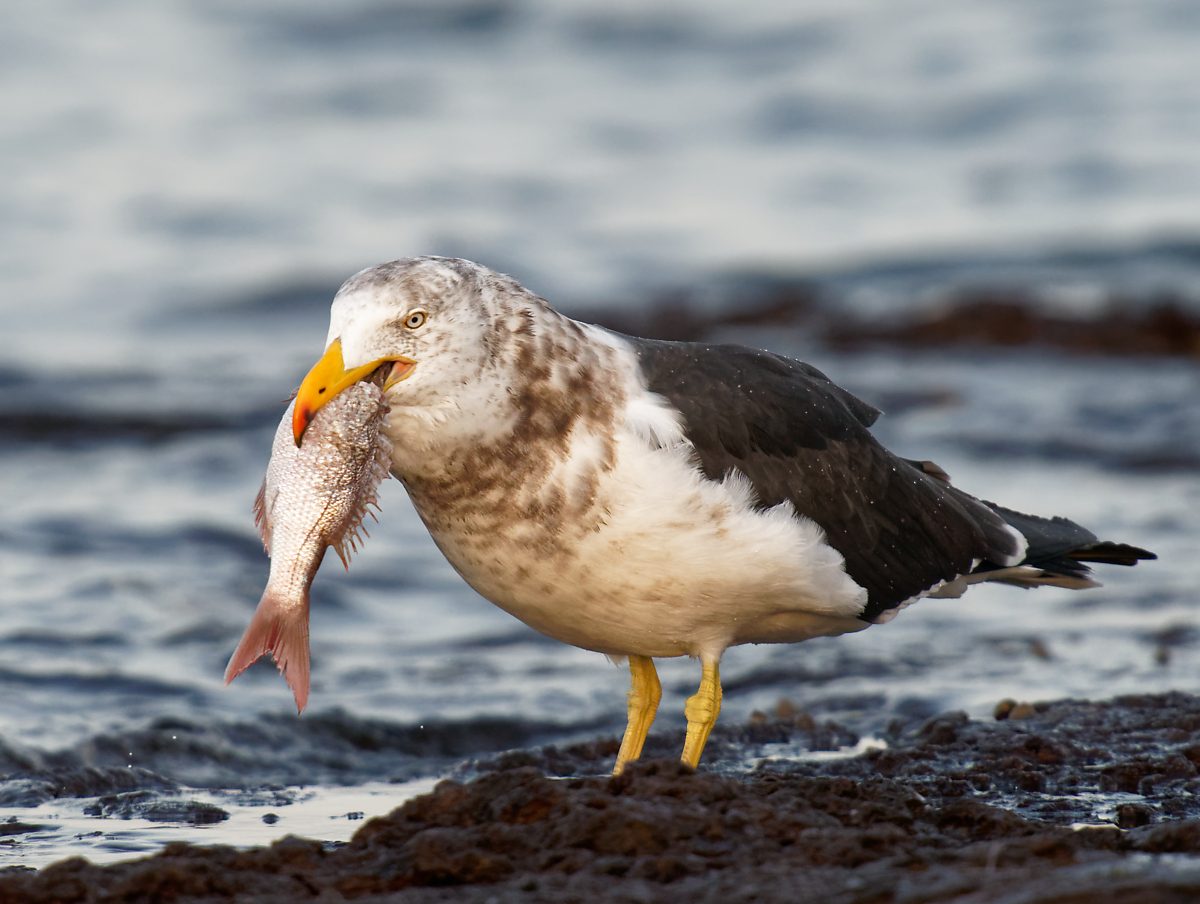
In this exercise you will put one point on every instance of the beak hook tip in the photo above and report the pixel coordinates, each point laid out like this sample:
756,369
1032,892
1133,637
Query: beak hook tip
300,421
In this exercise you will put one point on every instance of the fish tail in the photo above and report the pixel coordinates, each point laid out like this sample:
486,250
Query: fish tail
279,627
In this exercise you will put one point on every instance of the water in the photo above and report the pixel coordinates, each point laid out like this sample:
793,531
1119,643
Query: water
187,184
75,828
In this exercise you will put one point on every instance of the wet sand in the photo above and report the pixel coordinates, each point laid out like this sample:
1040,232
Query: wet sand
1060,802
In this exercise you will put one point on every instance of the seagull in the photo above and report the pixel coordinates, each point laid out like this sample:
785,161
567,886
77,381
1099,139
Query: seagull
649,499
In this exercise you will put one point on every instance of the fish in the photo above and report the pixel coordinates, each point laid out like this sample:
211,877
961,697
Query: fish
315,495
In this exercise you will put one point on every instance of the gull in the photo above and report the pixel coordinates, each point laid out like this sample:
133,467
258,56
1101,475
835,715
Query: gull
648,499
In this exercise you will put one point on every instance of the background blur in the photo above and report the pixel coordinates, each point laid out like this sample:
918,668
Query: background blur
192,151
984,217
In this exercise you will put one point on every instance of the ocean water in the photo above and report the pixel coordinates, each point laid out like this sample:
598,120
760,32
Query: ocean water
187,184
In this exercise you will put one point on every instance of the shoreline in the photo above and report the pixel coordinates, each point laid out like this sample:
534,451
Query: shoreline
1093,800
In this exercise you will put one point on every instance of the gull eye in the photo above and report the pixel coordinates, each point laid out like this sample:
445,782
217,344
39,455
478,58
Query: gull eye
416,320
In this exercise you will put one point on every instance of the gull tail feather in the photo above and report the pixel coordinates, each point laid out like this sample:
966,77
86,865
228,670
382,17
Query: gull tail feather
279,627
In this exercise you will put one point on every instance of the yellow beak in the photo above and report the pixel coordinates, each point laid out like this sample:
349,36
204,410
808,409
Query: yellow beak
329,376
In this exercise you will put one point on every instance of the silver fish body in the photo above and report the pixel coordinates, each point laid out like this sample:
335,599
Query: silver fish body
315,496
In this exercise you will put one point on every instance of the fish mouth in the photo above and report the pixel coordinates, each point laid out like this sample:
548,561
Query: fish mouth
329,376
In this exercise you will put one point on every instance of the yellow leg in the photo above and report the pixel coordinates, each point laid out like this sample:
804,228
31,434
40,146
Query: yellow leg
702,709
644,694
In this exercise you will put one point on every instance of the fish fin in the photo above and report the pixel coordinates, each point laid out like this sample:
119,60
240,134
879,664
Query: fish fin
352,537
351,540
282,631
261,521
355,530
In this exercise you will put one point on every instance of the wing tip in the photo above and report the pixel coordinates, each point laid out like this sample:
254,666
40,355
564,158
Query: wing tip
1106,552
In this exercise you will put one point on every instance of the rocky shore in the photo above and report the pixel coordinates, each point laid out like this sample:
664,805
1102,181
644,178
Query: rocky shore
1060,802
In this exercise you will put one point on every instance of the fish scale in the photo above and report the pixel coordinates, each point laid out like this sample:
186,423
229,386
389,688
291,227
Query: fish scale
315,496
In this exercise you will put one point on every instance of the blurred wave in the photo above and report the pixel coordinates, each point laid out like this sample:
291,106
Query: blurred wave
588,147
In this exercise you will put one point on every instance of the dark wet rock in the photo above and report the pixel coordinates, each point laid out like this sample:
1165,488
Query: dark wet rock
155,808
812,675
735,300
1169,838
16,827
36,786
963,315
1023,711
790,726
999,318
953,810
1011,709
944,729
1132,816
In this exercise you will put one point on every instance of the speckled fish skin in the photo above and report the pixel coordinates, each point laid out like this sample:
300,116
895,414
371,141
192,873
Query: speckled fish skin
314,496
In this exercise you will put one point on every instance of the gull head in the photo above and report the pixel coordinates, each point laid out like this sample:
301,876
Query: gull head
439,334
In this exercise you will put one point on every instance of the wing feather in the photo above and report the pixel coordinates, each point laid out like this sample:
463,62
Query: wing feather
797,436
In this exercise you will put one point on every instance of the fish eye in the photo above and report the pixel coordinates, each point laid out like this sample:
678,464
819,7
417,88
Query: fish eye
416,319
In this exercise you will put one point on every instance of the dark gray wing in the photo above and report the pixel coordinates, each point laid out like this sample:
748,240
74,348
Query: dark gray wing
799,437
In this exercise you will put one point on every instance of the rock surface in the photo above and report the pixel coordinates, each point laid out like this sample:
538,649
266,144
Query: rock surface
1075,802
